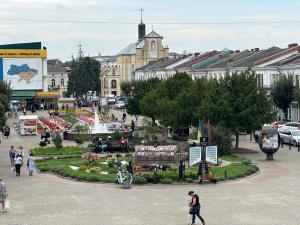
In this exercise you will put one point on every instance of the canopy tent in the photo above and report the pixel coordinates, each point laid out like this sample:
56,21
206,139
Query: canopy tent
23,94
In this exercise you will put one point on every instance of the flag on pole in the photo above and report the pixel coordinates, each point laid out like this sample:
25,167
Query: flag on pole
208,129
199,134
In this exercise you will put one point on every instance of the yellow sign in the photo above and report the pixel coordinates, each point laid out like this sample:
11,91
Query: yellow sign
23,53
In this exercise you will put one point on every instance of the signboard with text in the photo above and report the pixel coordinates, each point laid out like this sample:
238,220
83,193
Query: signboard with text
212,154
151,155
195,155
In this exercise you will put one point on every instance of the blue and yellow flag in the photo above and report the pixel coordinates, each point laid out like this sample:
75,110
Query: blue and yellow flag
199,134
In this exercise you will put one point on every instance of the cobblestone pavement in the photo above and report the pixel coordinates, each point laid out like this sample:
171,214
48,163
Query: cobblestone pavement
268,198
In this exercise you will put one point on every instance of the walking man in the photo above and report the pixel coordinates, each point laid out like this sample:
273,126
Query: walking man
195,208
12,154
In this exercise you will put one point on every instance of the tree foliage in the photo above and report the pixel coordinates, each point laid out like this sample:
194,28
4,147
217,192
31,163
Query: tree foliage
84,76
238,104
5,93
283,93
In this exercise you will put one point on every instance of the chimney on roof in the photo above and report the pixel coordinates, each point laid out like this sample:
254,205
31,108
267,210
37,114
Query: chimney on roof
99,54
237,51
292,45
256,49
196,53
252,49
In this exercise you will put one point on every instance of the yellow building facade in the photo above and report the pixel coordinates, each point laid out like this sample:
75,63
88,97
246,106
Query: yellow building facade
137,54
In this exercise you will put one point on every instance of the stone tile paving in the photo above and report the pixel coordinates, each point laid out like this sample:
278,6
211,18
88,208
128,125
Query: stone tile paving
269,198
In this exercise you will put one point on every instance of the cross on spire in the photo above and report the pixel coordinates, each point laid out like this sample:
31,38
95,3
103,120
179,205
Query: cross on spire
141,10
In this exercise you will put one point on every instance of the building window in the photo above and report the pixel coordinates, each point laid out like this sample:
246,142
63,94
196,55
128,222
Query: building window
113,71
260,80
113,84
53,82
62,82
153,47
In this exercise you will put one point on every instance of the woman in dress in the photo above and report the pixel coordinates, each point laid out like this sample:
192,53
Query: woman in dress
31,164
3,193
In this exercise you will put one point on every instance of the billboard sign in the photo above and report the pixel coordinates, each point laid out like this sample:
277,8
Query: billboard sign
23,74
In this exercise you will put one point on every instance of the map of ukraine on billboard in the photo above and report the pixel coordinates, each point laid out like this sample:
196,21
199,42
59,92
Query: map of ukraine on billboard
23,74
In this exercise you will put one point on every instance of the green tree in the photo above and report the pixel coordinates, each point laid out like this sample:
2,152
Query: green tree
283,93
5,93
84,76
238,104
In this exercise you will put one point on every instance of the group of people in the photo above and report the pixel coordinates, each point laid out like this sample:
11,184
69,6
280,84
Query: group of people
16,160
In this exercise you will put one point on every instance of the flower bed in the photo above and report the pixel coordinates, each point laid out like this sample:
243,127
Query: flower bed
69,119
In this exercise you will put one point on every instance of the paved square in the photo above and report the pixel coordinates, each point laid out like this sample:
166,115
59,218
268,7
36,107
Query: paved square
268,198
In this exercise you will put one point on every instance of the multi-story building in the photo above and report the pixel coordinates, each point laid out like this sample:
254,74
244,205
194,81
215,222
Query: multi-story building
268,64
120,68
57,77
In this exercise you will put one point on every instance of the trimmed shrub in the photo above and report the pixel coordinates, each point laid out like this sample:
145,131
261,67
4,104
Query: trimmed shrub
83,168
73,176
92,179
139,180
116,135
110,162
166,181
95,169
169,175
57,140
42,144
240,175
190,174
189,180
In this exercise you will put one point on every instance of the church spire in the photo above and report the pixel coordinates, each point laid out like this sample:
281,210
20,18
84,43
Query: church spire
141,27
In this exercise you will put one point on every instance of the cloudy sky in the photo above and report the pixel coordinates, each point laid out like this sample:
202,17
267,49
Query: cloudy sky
189,25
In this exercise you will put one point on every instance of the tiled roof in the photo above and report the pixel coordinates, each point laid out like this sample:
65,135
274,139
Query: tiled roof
159,64
278,55
250,60
294,59
197,59
55,66
211,60
230,59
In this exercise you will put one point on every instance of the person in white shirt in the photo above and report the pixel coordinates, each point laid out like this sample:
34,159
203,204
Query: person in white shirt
18,163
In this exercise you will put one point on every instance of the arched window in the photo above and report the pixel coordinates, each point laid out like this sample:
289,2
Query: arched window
53,82
113,71
153,47
113,84
62,82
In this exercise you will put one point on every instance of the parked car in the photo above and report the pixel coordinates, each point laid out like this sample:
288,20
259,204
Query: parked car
111,100
122,98
289,126
290,137
120,105
278,124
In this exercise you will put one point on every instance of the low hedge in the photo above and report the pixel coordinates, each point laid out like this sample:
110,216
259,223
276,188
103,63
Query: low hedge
68,150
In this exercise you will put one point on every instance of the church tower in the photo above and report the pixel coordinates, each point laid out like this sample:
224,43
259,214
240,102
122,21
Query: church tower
141,28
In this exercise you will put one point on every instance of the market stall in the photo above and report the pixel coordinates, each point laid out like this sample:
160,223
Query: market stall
28,124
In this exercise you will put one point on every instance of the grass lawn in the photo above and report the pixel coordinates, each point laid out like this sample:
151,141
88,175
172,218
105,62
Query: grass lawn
69,150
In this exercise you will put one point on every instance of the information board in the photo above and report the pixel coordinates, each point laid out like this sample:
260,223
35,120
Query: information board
212,154
195,155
